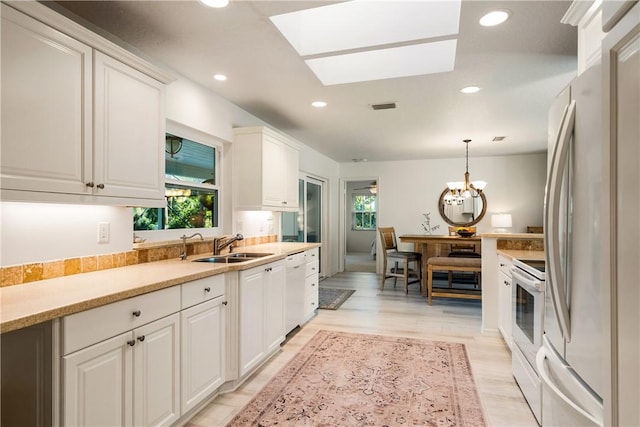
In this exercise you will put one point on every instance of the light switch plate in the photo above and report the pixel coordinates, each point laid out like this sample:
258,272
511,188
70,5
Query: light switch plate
103,232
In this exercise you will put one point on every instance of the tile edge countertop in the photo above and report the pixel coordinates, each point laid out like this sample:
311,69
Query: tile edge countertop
31,303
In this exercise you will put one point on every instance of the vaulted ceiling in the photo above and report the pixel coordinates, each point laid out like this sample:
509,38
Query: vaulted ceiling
520,66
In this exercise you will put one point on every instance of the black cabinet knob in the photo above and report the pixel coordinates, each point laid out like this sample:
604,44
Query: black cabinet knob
131,342
136,313
207,289
141,338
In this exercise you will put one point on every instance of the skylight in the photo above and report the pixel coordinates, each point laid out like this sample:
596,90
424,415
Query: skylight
414,60
358,40
361,23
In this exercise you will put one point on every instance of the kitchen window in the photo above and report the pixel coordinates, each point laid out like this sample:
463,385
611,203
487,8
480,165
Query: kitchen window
363,212
191,188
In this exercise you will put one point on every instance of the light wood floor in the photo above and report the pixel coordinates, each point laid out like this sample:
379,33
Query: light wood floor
391,312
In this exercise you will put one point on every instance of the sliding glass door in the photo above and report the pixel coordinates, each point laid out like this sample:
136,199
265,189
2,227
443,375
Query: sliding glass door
306,225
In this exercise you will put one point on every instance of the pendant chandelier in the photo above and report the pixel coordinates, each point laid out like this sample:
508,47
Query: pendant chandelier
459,190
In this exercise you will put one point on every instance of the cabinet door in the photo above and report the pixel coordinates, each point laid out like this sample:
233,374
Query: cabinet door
156,369
613,11
252,316
272,172
290,177
621,59
275,306
203,351
98,384
46,107
505,307
129,131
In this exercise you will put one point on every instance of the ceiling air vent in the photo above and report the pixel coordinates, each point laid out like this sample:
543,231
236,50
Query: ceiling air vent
498,138
384,106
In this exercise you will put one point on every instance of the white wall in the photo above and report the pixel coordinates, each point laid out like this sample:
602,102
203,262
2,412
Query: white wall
407,189
33,232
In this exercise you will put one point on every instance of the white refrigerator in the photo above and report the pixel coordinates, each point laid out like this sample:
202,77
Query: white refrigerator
570,361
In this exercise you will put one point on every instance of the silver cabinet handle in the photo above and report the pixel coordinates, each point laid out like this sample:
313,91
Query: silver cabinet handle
136,313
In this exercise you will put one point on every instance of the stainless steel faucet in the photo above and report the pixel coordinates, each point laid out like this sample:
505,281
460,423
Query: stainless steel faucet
219,243
184,238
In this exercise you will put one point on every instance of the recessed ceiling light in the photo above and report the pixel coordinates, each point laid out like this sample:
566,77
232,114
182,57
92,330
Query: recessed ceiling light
495,17
215,3
470,89
319,104
220,77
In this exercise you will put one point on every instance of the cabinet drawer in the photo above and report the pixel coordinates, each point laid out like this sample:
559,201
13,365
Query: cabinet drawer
88,327
312,255
202,290
504,264
312,268
311,286
311,294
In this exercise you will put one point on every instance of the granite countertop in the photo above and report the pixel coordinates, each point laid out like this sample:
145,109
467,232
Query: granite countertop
36,302
513,235
522,254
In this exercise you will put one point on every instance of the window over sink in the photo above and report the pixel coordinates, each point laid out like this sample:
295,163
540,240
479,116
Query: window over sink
191,188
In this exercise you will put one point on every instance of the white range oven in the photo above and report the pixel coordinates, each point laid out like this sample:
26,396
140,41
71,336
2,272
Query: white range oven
528,284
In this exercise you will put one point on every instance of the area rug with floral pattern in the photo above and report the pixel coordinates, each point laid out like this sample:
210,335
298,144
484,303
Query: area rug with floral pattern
347,379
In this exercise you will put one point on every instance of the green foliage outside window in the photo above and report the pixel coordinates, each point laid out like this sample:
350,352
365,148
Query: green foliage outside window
364,212
190,189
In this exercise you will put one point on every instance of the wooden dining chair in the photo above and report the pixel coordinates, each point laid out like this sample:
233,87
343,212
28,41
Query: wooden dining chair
463,250
391,254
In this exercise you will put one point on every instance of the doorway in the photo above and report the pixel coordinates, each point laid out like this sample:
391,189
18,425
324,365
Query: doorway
308,224
360,225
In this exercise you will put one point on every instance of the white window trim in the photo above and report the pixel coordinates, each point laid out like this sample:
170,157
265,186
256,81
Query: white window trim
194,135
353,211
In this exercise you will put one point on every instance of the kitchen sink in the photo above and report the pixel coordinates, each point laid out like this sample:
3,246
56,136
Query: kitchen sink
232,258
247,255
221,259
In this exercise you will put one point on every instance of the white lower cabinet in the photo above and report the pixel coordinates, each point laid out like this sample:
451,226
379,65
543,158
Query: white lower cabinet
261,313
311,283
130,379
505,299
203,333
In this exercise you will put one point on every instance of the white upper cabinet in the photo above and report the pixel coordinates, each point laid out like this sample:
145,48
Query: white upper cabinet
587,17
77,125
46,107
265,170
129,125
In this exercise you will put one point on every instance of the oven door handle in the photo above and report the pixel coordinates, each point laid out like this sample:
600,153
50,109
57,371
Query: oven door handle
555,278
530,283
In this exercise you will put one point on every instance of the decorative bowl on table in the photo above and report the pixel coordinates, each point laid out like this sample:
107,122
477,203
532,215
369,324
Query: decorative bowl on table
465,233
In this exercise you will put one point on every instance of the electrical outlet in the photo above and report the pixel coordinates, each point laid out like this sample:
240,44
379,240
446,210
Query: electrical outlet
103,232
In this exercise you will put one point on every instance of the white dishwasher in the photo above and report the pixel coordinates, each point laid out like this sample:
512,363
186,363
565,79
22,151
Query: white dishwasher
295,295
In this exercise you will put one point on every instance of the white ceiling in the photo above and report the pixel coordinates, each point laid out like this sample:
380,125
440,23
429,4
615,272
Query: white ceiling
520,65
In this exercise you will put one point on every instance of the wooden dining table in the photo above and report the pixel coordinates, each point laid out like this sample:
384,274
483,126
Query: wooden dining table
434,246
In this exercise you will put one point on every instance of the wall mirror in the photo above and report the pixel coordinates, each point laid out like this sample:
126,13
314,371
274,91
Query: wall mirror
464,214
